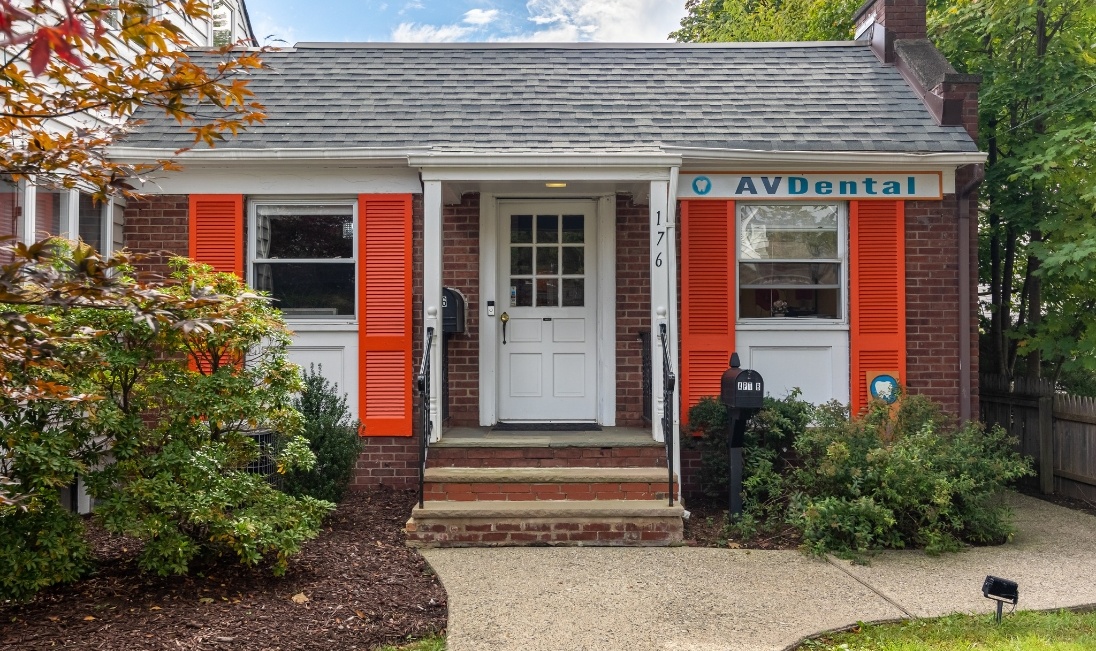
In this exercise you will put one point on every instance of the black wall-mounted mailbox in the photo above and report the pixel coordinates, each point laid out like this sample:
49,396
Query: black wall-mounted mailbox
453,310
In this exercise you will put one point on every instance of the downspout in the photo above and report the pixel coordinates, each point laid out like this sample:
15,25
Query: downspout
962,195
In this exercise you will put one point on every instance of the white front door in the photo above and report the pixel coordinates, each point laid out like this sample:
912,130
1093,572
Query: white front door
548,347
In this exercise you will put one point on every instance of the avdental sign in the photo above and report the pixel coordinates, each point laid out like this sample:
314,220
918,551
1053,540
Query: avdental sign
811,186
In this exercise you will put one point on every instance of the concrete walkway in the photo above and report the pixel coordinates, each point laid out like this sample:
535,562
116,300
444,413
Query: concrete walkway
692,599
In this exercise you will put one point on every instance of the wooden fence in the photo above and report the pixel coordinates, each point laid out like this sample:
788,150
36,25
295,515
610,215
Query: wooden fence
1057,430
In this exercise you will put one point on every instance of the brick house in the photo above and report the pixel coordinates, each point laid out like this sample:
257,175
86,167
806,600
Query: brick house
807,205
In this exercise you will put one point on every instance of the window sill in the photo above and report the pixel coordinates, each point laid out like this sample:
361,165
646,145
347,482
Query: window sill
322,325
792,323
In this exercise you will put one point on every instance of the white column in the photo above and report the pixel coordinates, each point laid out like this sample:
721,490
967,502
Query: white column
30,205
432,287
661,246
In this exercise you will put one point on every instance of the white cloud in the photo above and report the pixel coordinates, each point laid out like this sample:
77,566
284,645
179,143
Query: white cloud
638,21
414,33
481,16
272,32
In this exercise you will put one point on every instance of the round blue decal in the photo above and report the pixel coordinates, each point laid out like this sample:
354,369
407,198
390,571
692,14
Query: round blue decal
885,388
702,185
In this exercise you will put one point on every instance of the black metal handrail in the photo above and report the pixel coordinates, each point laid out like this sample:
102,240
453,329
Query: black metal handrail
669,382
423,384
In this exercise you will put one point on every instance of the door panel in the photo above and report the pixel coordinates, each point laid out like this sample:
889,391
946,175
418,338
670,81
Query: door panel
548,355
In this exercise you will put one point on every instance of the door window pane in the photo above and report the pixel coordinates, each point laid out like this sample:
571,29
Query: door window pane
547,229
573,229
574,292
574,260
547,260
521,260
521,229
547,292
521,292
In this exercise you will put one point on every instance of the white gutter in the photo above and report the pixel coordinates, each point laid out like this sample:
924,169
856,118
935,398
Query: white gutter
661,157
875,159
366,154
647,159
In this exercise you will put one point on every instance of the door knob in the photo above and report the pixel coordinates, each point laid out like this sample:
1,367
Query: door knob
504,317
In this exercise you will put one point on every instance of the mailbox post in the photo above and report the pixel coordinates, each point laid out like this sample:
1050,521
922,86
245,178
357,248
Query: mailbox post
742,391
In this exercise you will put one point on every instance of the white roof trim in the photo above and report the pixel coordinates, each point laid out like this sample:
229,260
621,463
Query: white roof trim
696,156
370,154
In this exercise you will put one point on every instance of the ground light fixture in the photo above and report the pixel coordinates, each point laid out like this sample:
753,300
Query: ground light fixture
1001,590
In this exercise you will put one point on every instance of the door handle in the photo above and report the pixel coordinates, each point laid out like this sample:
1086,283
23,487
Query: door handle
504,317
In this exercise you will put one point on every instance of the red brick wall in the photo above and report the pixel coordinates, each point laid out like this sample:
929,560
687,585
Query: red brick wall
932,302
460,270
633,286
158,223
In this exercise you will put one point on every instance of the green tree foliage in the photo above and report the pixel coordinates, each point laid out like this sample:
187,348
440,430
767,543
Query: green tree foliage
149,392
332,436
709,21
1037,109
1037,105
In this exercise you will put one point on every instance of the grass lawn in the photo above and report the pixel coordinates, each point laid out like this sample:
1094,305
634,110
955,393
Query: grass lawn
1021,631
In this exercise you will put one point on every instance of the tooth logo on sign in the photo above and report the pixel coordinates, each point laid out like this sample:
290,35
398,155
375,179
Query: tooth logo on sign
702,185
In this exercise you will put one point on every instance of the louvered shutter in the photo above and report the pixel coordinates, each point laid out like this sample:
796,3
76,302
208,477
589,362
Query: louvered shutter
384,290
217,231
877,293
707,297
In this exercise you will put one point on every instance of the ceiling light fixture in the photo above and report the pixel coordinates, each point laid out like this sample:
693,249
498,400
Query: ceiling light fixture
555,184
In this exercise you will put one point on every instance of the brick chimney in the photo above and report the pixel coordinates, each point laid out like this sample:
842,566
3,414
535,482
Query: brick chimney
906,18
898,35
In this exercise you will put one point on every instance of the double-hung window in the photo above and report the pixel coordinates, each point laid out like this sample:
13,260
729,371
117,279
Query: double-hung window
305,255
791,260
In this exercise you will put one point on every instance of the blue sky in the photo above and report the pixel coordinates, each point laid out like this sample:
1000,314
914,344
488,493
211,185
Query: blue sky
296,21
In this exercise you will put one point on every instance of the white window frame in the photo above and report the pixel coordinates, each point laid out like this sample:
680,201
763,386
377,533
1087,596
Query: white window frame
253,249
230,18
842,259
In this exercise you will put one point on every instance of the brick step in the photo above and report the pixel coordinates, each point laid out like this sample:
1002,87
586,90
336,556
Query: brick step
601,523
533,484
518,456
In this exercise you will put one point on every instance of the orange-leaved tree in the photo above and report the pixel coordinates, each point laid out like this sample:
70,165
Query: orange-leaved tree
76,70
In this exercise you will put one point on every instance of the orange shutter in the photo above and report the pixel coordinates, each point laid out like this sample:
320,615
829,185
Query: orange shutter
217,239
877,293
707,297
385,314
217,231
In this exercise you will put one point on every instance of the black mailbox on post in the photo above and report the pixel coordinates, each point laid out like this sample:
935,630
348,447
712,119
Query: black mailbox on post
742,391
452,310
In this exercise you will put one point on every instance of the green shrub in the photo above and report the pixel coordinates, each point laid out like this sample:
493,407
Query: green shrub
184,404
766,457
40,546
892,478
896,478
332,437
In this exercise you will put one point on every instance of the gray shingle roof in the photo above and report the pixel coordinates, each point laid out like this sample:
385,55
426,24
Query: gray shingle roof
814,97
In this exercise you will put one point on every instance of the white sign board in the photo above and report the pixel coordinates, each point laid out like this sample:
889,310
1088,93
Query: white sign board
860,186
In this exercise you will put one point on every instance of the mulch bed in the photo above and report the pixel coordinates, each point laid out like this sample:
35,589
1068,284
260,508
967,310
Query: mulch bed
706,527
364,588
1068,502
